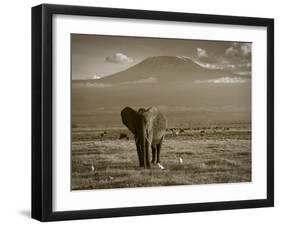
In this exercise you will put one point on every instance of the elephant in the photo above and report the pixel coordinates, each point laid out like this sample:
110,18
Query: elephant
148,127
123,136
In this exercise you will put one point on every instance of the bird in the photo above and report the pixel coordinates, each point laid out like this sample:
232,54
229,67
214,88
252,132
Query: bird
181,160
92,167
160,166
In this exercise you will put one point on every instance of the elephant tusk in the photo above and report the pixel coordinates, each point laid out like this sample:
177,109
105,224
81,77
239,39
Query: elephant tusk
137,140
148,141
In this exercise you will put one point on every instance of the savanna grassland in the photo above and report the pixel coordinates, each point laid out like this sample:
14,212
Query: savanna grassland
218,154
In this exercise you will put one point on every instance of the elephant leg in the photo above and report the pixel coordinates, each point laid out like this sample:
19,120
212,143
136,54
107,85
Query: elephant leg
159,149
153,154
147,154
140,155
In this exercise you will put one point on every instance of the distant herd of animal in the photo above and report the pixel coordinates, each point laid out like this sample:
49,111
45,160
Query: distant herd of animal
172,131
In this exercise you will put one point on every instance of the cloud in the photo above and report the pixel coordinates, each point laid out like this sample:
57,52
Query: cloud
96,77
201,53
141,81
119,58
232,51
244,65
184,58
246,49
211,66
226,108
220,65
237,56
223,80
98,85
237,50
243,73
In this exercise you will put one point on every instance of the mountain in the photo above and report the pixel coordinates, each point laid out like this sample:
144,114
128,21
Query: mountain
178,85
163,69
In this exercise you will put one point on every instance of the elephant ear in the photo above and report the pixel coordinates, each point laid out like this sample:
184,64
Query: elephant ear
152,110
129,118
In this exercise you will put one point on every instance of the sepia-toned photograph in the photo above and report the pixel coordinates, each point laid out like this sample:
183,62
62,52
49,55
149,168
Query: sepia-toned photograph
149,112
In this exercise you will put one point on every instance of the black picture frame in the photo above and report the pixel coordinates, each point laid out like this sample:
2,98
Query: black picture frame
42,111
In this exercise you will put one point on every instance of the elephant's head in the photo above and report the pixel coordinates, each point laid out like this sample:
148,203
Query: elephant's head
137,123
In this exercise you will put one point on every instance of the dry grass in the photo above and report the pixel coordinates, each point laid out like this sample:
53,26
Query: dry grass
217,156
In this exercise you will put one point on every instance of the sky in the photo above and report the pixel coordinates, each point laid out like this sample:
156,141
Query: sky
96,56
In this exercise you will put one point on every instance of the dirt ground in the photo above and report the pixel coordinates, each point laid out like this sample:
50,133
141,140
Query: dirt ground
202,155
